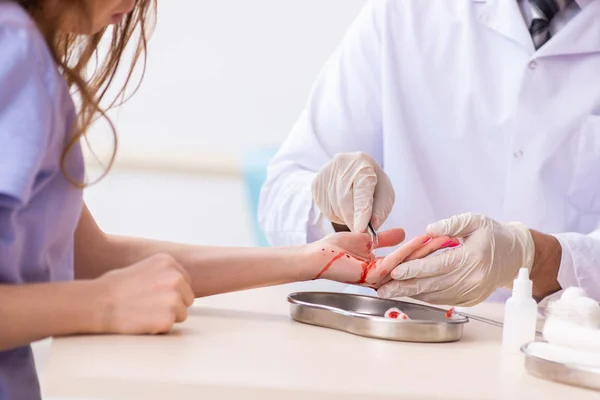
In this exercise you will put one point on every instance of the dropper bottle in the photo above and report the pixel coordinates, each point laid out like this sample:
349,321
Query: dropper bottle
520,314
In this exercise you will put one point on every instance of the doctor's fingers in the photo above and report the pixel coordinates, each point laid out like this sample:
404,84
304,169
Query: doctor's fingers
436,265
455,296
459,225
383,199
363,191
416,287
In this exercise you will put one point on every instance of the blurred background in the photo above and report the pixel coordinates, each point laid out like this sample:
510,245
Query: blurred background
224,84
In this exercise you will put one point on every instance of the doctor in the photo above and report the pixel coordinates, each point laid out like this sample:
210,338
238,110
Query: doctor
482,115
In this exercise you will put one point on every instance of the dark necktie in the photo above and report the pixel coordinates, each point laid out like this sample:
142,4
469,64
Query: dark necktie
542,12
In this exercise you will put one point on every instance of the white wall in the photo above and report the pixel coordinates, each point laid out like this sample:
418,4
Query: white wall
228,75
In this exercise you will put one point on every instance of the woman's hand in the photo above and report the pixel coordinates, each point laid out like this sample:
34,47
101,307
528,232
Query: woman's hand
146,298
346,257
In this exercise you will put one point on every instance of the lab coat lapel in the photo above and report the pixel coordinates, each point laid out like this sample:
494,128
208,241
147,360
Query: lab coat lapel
580,36
504,17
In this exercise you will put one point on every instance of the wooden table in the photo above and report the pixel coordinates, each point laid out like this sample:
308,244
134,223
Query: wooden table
245,346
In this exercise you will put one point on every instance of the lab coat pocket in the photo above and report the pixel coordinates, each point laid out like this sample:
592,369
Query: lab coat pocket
584,190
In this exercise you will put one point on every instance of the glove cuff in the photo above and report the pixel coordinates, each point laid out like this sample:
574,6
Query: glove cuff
524,240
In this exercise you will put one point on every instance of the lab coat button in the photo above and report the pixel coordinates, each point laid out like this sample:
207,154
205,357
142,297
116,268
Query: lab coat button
533,64
518,154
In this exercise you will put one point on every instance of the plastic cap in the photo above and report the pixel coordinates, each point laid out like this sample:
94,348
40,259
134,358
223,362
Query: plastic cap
523,287
523,274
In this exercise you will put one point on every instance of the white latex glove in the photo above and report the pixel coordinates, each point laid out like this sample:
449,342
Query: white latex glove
353,190
489,257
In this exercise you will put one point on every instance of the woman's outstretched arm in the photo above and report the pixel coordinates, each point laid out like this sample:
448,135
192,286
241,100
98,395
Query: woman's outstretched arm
343,257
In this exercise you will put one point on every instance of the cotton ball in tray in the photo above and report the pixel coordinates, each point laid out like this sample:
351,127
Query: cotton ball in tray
451,314
395,313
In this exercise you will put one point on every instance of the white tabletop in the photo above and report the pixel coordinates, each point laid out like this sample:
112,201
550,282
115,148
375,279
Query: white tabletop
245,346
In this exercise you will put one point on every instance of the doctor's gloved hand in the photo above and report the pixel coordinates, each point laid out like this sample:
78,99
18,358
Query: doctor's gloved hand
489,257
353,190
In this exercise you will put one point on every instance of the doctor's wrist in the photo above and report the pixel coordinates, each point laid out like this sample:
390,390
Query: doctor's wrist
340,228
546,264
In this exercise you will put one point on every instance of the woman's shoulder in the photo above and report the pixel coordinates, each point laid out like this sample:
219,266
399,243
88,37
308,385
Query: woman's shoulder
36,110
23,49
14,18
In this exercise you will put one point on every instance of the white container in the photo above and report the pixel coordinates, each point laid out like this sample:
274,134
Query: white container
520,315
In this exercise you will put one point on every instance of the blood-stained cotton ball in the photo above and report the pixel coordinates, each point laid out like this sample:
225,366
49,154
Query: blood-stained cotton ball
395,313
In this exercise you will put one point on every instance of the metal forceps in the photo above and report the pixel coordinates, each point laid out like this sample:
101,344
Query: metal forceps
490,321
374,237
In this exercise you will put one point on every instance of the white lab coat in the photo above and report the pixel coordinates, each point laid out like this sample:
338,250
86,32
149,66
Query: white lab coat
451,98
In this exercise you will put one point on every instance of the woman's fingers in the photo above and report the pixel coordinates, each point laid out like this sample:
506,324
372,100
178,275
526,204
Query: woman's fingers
400,254
431,246
359,243
391,237
419,247
387,264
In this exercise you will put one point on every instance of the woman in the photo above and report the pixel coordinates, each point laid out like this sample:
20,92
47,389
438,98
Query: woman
59,273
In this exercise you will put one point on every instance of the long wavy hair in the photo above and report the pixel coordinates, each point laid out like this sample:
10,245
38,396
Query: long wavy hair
73,54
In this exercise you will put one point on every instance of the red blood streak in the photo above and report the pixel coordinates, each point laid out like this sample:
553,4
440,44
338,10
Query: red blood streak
394,314
450,313
334,259
404,316
366,267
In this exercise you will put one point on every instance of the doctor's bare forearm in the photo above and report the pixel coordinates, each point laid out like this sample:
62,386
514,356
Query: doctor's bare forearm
340,228
546,264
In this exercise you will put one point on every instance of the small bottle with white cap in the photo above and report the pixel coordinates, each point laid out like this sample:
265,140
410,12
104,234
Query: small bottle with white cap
520,314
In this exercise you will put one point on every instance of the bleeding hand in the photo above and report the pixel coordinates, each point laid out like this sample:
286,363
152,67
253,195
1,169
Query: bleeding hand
346,257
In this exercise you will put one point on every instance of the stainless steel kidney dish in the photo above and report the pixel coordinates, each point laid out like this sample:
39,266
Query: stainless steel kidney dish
567,372
364,316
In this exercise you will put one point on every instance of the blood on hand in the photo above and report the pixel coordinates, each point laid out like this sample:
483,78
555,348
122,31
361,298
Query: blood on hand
353,265
365,270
